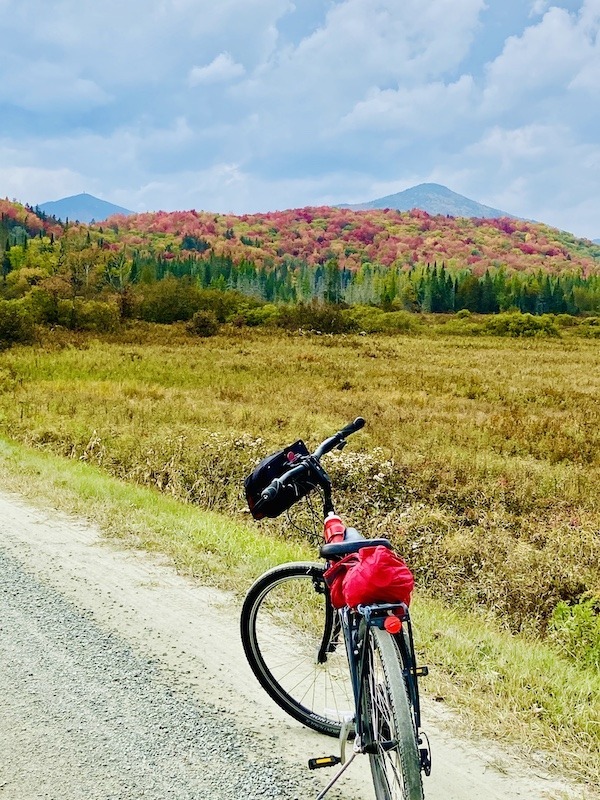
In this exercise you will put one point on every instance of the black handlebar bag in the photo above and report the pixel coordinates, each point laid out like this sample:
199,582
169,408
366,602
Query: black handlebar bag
271,467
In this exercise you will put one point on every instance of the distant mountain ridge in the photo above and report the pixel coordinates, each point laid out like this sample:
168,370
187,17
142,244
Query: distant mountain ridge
83,208
434,199
430,197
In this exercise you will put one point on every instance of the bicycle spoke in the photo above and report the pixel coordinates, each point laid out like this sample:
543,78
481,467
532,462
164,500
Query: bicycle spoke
283,622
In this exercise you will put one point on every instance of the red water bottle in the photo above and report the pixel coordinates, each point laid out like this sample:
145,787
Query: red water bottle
334,529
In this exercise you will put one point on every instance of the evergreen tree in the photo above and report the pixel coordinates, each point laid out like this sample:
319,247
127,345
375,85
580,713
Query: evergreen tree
488,302
468,294
333,282
6,263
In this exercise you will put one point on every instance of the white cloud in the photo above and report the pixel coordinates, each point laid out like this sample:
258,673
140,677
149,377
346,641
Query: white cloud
38,185
507,146
428,110
225,105
222,68
538,7
363,50
45,86
367,43
540,172
540,63
221,187
588,77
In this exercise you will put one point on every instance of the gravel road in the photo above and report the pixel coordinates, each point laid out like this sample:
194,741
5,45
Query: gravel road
122,680
84,715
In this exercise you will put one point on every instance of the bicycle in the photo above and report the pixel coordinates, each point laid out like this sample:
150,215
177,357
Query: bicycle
348,672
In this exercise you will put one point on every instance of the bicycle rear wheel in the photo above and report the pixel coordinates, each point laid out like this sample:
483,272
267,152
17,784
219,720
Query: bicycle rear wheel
294,646
393,751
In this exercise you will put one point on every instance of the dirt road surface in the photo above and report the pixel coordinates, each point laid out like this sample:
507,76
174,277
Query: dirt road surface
122,680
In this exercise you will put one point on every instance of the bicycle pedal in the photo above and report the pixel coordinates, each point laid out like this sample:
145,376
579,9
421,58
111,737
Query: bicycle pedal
324,761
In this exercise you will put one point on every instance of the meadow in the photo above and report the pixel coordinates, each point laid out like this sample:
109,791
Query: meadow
480,460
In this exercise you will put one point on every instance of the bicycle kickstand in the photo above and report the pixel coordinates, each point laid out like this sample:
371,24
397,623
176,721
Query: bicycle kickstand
330,761
338,775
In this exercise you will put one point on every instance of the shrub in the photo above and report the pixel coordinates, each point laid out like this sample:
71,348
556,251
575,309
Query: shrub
367,318
262,315
16,323
565,320
226,305
589,327
203,323
90,315
518,325
375,320
399,322
463,325
20,282
169,300
65,314
321,318
178,299
576,630
94,315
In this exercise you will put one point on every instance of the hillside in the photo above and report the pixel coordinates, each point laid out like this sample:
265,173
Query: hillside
433,198
386,238
83,208
314,236
411,261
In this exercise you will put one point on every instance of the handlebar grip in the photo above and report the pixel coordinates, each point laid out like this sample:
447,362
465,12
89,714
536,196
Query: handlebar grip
353,427
271,491
334,441
268,493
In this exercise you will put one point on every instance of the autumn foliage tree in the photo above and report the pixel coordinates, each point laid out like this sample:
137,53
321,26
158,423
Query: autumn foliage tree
165,267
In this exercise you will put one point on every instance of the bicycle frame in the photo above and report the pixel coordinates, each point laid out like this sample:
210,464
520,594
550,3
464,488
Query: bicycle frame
356,626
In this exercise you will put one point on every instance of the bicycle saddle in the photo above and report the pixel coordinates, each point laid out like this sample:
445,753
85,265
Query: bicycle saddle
353,542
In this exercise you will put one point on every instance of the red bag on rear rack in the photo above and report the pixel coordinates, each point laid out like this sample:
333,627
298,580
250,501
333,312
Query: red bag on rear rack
373,575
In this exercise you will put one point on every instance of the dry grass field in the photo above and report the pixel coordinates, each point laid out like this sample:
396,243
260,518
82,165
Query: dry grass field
481,457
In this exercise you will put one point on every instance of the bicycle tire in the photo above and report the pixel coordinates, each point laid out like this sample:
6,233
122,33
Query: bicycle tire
396,771
286,619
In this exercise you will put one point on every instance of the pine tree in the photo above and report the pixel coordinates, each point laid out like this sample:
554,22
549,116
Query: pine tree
6,263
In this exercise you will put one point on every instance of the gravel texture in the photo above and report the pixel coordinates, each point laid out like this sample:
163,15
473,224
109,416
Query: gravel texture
84,716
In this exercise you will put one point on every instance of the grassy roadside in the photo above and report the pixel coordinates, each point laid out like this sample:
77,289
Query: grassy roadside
506,687
480,458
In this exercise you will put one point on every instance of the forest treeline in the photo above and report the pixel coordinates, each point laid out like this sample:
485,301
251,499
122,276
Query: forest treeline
94,277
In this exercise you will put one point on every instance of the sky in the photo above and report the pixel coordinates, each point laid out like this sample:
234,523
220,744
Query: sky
248,106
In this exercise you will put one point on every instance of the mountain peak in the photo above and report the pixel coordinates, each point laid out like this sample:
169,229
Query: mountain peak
83,208
434,199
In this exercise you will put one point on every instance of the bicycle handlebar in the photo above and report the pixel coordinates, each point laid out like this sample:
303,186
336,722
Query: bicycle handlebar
334,441
308,462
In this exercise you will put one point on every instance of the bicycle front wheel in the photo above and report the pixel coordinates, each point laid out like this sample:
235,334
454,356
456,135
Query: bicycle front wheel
294,645
393,751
